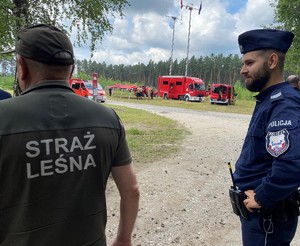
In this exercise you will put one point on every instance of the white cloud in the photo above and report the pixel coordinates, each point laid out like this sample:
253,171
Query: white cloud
256,14
146,32
150,29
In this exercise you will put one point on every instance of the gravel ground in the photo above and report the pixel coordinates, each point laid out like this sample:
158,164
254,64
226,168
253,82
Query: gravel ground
184,198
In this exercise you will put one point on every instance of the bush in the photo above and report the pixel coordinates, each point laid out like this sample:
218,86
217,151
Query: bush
242,92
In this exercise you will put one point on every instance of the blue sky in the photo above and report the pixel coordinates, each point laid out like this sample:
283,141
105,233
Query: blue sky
146,32
234,6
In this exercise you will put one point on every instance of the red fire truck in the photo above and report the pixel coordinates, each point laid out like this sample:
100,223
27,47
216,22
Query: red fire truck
78,87
181,88
222,94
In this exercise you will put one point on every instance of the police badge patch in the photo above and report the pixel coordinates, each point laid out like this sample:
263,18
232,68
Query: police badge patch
277,142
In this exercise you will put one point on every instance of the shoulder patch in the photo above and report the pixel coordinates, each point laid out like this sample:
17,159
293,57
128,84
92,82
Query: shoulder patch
277,95
277,142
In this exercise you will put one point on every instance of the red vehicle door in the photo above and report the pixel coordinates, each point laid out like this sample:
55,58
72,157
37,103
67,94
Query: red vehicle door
172,90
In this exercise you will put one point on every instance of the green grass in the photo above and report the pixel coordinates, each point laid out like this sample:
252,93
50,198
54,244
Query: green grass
6,83
150,137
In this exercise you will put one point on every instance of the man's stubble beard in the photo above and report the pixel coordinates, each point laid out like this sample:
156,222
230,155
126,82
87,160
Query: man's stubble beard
259,79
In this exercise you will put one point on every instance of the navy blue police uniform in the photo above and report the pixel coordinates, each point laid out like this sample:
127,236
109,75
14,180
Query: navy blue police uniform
4,95
297,89
53,143
269,162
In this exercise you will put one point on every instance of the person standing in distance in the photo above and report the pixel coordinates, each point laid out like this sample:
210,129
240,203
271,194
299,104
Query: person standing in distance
294,81
268,168
57,151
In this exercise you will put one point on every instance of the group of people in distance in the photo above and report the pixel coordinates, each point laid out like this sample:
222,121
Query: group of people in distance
55,163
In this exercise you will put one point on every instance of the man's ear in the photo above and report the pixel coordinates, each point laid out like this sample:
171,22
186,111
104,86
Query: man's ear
22,69
22,73
273,60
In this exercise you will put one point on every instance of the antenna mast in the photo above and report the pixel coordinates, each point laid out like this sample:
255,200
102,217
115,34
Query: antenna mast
172,48
190,8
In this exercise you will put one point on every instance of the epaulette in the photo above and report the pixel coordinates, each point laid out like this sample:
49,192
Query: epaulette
276,95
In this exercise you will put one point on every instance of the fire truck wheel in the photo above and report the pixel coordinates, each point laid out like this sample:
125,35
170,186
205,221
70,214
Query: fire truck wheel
186,98
166,97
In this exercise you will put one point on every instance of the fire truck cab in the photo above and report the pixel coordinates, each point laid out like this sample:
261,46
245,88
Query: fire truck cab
181,88
222,94
78,87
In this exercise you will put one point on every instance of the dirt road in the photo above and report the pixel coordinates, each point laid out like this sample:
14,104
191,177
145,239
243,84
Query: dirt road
184,198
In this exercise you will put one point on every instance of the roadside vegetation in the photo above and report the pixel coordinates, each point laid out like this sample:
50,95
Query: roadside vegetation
150,137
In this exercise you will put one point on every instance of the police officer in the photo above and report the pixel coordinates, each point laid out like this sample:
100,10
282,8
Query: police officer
268,168
57,151
4,95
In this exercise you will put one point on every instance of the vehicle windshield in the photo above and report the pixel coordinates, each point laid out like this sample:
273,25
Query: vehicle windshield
77,86
199,87
90,86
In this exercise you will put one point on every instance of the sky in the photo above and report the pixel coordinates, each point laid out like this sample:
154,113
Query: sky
146,31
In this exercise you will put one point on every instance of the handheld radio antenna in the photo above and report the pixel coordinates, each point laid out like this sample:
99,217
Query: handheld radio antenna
232,178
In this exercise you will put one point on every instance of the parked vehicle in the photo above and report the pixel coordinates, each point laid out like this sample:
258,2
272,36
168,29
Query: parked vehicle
78,86
100,95
222,94
181,88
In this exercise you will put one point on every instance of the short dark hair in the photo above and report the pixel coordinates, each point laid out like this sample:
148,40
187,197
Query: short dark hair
281,56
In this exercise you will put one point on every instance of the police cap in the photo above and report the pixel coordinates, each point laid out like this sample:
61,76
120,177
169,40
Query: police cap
265,39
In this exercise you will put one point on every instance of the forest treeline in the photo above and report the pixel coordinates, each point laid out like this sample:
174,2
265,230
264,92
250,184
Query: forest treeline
211,69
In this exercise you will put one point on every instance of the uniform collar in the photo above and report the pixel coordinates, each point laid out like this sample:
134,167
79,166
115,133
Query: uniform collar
48,84
266,93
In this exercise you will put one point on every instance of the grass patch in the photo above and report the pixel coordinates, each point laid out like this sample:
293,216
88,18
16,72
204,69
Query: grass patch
7,83
150,137
134,131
